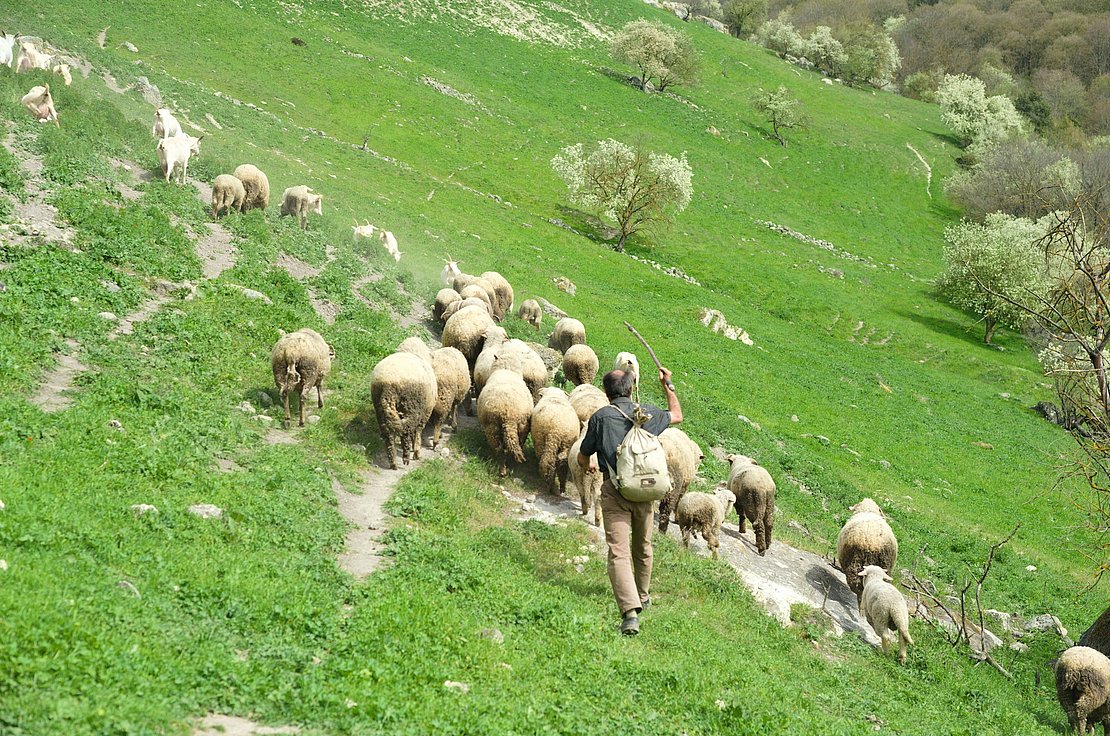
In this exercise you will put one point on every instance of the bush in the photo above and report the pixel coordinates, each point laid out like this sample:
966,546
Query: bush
780,109
743,16
974,117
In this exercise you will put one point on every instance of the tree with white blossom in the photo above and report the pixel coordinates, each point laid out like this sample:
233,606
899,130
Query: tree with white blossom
630,186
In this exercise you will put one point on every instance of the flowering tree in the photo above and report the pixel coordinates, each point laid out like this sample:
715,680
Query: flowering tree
975,117
664,56
633,187
780,110
996,269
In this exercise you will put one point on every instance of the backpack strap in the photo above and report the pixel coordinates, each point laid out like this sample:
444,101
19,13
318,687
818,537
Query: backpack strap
641,417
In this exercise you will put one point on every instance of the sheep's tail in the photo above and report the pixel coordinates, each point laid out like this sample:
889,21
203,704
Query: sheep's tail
511,441
904,630
292,376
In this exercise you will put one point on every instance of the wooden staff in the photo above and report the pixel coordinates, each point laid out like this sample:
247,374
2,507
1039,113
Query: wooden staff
670,384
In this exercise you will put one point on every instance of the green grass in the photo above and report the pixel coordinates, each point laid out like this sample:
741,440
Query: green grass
82,654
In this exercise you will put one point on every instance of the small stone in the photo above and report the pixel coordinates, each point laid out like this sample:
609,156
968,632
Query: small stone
445,451
884,464
794,418
110,286
580,569
2,506
74,300
1001,619
1030,568
505,666
262,418
129,587
564,284
798,527
130,47
116,425
822,439
493,635
242,655
108,316
462,687
206,510
350,703
1004,395
721,705
1019,647
142,509
246,407
984,445
265,400
3,564
313,419
1045,622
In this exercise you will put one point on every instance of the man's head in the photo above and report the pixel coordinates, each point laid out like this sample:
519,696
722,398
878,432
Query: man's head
617,383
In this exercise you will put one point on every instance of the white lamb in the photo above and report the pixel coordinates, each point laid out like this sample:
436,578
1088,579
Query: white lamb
165,124
885,608
40,104
63,69
175,153
30,58
390,244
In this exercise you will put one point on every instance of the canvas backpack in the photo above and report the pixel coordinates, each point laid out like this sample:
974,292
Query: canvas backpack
641,472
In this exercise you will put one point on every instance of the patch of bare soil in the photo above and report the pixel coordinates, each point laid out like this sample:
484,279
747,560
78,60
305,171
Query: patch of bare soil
102,37
52,392
37,219
325,308
145,311
215,724
215,251
297,268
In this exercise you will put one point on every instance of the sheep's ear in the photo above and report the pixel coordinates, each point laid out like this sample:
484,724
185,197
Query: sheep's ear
860,573
888,578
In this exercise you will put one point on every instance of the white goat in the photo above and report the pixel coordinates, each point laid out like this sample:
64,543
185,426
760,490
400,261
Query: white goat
165,124
450,271
176,151
30,58
361,232
40,104
63,69
7,50
390,244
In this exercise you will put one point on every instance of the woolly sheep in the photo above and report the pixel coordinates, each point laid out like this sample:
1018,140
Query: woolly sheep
568,331
503,293
580,364
755,498
174,153
1083,688
587,483
300,360
555,427
417,347
465,330
517,356
362,232
165,124
885,608
452,387
683,458
505,412
444,298
7,50
495,339
627,362
450,271
463,280
299,201
389,242
866,539
40,103
586,399
703,513
403,389
227,194
474,291
63,70
462,304
531,313
257,186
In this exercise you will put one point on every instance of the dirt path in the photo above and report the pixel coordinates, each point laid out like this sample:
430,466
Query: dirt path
215,250
51,395
39,219
215,724
928,171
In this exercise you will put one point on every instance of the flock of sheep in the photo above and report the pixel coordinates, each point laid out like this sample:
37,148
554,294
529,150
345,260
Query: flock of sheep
416,389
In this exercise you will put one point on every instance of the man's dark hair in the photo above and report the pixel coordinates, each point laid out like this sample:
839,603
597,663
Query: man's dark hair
617,383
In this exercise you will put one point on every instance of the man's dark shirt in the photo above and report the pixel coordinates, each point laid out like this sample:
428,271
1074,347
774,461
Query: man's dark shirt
607,428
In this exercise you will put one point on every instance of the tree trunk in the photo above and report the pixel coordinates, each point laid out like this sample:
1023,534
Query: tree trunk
619,247
991,325
1098,636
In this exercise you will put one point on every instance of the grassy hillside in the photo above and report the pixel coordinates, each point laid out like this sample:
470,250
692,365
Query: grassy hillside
902,408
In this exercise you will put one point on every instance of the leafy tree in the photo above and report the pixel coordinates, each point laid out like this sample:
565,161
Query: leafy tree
1034,109
633,187
974,117
664,56
781,37
743,16
995,267
871,57
923,85
825,51
780,109
702,8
